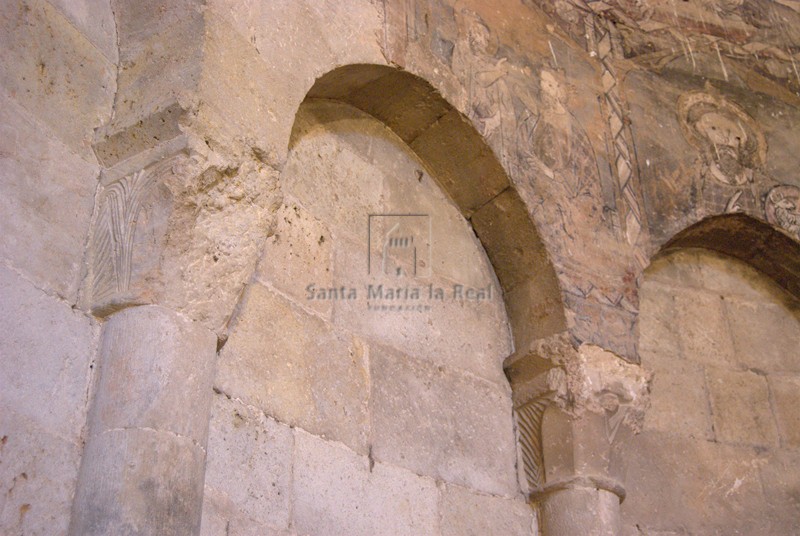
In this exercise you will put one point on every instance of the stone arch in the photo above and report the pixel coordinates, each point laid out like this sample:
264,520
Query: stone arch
747,239
413,111
468,171
719,328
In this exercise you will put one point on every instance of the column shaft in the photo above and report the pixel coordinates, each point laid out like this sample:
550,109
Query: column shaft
143,466
579,511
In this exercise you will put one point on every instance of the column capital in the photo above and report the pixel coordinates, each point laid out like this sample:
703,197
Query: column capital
569,404
596,380
176,223
579,379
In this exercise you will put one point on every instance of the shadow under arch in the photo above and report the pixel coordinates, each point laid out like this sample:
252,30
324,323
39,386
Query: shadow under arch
746,239
467,170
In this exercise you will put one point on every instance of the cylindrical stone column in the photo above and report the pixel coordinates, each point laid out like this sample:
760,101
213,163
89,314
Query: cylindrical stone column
143,465
579,496
580,509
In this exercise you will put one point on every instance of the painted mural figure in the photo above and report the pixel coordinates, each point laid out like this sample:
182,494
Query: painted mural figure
489,97
523,115
732,150
782,208
557,154
559,146
732,145
727,139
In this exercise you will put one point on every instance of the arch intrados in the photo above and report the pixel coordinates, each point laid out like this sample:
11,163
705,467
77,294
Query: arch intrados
467,170
746,239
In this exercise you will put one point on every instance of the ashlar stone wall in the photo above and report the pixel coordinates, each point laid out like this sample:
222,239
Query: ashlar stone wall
721,441
329,417
333,413
57,81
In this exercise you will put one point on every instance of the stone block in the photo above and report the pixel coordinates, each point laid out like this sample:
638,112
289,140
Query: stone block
406,107
786,396
161,60
659,333
580,511
470,335
456,254
679,401
705,335
781,483
535,310
338,492
700,487
681,268
139,480
37,477
95,20
466,513
766,335
213,522
321,32
576,447
741,407
143,140
47,198
55,72
732,277
405,188
160,55
337,21
636,529
212,241
326,27
297,369
514,259
47,352
461,161
241,100
442,423
221,517
249,464
137,21
335,184
297,255
156,372
361,133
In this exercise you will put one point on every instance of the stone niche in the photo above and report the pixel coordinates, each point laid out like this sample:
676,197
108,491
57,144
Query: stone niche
361,389
720,439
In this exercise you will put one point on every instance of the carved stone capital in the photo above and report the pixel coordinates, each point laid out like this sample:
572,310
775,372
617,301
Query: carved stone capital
177,225
130,208
596,380
569,404
579,379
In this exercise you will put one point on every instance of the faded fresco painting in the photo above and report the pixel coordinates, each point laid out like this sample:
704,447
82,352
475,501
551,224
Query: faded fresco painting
568,153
